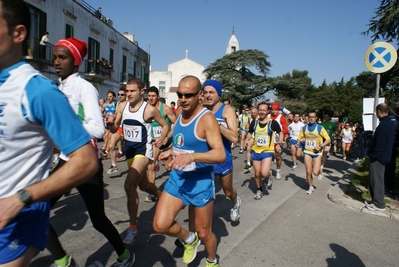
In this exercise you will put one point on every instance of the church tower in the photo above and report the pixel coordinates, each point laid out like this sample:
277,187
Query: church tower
233,45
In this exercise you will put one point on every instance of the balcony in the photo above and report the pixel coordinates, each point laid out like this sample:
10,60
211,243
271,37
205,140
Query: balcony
125,77
97,13
97,70
36,53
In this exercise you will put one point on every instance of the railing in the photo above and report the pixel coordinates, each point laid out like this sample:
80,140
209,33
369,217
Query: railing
34,51
98,67
125,77
97,13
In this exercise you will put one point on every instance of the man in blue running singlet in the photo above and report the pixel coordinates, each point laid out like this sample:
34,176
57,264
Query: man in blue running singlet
197,145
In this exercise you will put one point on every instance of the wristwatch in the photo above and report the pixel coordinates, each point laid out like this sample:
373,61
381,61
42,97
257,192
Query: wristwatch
24,196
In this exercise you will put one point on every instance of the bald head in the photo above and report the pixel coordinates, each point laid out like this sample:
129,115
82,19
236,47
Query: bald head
190,82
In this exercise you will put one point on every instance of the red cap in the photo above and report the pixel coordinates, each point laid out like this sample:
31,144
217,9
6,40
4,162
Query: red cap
275,106
77,48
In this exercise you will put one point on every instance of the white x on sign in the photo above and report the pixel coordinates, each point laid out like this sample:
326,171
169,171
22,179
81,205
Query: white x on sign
380,57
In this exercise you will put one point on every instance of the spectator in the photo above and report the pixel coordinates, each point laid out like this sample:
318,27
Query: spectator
43,45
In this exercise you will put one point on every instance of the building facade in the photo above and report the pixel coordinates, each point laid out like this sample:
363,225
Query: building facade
113,57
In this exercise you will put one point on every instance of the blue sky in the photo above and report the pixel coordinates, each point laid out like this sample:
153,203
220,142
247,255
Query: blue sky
321,36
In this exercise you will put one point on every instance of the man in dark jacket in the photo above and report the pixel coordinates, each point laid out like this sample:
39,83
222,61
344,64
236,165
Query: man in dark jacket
380,154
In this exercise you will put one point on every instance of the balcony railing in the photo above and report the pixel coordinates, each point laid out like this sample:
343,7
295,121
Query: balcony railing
97,67
34,51
97,13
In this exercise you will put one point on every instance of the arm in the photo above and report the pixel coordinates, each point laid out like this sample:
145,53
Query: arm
153,113
208,129
231,131
114,120
50,108
276,128
93,121
326,138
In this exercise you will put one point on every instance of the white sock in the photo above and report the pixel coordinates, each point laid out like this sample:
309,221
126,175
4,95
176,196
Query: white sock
190,239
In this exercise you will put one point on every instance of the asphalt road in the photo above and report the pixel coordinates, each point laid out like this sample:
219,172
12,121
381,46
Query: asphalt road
286,227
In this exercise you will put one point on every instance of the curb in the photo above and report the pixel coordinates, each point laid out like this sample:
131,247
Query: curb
337,196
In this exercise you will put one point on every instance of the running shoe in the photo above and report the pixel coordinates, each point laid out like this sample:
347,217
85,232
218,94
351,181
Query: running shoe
247,167
320,176
241,151
127,262
371,206
269,181
294,166
104,154
235,212
211,264
150,198
190,250
131,237
259,195
112,169
278,174
344,158
119,155
71,263
310,190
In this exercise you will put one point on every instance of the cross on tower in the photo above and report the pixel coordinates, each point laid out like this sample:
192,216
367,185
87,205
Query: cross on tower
186,53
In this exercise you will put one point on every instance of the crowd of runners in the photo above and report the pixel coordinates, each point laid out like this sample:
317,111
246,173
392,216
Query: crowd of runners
194,141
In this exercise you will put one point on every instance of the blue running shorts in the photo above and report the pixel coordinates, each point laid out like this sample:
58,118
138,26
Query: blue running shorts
197,191
223,168
293,143
261,156
29,228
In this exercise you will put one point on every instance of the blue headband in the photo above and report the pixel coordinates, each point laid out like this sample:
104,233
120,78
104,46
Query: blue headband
215,84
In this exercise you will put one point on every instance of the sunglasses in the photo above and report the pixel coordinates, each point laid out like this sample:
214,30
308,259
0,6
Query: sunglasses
187,95
121,94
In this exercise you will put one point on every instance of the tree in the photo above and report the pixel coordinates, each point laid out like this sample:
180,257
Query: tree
385,25
234,72
291,86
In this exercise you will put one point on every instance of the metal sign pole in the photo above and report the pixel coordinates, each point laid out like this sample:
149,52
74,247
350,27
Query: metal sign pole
377,95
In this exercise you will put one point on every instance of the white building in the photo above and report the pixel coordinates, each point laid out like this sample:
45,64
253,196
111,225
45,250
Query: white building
113,58
167,81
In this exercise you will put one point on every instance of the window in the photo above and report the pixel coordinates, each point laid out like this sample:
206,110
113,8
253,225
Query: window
38,27
111,56
134,69
161,87
233,49
68,31
94,49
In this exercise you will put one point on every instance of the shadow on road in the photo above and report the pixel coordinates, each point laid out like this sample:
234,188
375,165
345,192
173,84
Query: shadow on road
343,257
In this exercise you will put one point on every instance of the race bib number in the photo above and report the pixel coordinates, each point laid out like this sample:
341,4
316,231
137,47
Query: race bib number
157,131
132,133
190,167
262,141
310,144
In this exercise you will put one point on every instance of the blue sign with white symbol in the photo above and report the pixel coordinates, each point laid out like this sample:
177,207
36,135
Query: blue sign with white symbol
380,57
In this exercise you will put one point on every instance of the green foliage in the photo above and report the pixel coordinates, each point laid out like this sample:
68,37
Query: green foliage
239,82
385,26
292,85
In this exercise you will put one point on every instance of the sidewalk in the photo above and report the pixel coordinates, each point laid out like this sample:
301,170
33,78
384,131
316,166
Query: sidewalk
342,193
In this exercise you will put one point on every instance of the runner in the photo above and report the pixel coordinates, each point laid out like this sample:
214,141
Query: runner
116,138
248,165
347,135
34,115
226,118
156,131
294,129
83,98
264,146
282,121
135,117
197,145
314,135
331,128
244,125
